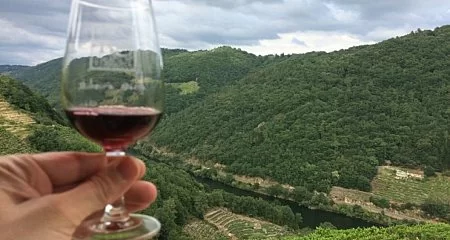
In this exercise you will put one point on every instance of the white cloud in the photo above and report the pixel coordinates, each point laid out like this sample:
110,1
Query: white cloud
10,34
341,14
21,46
314,41
38,56
382,33
298,41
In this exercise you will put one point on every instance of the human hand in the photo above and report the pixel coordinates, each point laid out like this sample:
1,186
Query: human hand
46,196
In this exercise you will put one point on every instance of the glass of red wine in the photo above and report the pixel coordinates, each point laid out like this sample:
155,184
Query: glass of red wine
112,93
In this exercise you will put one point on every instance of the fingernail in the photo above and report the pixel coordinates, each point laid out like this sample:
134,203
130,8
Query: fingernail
127,169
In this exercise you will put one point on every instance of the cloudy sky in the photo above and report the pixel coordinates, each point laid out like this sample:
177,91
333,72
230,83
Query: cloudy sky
33,31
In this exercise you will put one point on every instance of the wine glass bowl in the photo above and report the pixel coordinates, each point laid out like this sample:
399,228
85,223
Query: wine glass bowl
112,93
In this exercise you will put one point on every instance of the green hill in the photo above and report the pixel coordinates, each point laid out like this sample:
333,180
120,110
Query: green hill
208,70
43,78
29,124
215,68
11,69
419,232
22,98
319,120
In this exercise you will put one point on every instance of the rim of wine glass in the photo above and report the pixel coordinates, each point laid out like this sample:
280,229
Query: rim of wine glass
95,5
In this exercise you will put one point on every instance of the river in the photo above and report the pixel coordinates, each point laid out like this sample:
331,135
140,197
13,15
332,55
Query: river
311,217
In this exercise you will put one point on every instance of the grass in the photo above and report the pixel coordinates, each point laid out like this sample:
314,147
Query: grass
410,190
186,87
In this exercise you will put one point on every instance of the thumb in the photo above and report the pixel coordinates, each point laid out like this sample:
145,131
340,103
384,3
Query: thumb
103,188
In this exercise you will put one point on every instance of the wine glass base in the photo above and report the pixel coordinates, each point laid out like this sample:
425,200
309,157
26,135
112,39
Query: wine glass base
146,227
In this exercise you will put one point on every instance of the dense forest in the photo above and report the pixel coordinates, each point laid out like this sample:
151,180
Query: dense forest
319,119
209,69
11,69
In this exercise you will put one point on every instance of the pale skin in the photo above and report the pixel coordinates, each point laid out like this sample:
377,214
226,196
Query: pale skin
46,196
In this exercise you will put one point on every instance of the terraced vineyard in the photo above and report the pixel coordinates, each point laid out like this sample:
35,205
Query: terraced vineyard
401,232
388,185
14,121
241,227
201,230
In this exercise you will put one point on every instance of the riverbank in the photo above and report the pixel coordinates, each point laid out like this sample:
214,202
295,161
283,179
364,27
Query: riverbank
312,218
316,201
350,202
338,213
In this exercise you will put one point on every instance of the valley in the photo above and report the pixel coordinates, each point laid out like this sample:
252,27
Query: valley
358,136
386,185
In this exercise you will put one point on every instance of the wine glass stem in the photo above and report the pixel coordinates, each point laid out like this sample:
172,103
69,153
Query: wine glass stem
115,214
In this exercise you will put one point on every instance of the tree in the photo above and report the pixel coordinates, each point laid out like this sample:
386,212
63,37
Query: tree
275,190
436,208
320,199
327,225
429,171
298,219
301,194
380,202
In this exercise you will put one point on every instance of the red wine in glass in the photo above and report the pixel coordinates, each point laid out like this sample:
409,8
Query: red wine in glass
114,127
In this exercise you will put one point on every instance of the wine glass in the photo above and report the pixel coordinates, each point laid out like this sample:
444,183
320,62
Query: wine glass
112,93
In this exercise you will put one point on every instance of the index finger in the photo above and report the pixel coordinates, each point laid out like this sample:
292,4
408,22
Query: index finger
65,168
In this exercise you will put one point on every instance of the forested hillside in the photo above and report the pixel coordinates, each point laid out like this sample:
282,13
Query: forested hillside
313,120
43,78
207,70
11,69
319,119
29,124
210,70
22,98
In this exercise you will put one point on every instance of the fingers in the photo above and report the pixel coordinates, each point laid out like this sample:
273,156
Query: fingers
72,185
65,168
140,196
103,188
142,168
